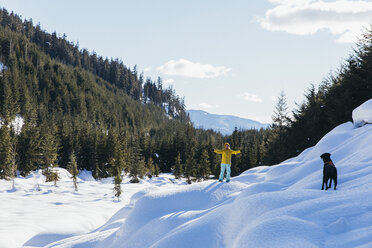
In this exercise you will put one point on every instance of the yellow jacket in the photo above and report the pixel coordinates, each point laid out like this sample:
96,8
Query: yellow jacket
226,155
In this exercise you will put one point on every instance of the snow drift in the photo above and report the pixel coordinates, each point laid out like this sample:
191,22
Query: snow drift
277,206
363,114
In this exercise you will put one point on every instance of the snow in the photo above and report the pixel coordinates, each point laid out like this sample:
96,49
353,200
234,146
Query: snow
16,124
267,206
36,213
363,114
3,67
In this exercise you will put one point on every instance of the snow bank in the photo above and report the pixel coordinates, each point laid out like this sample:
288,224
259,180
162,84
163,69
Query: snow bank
36,213
363,114
277,206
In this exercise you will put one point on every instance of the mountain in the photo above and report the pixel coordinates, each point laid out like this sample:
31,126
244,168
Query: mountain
268,206
224,124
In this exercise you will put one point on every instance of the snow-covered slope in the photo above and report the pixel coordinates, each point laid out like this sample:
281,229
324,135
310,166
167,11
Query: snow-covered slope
224,124
277,206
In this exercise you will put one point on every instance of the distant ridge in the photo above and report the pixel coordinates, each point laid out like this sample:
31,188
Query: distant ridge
224,124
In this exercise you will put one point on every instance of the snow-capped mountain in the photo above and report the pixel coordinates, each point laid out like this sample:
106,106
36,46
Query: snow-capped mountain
224,124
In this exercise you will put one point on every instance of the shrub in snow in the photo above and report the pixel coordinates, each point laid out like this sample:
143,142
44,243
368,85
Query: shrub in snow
51,176
363,114
134,180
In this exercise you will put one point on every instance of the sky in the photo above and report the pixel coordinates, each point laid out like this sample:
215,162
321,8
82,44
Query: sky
224,57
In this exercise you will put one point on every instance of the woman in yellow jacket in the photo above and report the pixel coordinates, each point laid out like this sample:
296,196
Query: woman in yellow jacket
226,161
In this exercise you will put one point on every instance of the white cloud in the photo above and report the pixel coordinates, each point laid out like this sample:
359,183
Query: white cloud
343,18
148,69
251,97
186,68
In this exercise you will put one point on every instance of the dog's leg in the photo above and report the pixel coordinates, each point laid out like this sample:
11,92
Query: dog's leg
335,179
330,183
324,182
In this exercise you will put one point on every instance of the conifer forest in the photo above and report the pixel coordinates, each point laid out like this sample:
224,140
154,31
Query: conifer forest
83,111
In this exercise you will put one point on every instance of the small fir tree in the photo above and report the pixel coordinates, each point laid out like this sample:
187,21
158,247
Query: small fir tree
204,170
6,143
150,168
14,164
117,179
49,153
178,171
190,168
73,168
157,170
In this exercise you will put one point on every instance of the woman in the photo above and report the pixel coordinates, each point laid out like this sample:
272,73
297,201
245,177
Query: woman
226,161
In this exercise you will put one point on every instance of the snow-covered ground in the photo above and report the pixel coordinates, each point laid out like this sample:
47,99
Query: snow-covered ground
277,206
35,213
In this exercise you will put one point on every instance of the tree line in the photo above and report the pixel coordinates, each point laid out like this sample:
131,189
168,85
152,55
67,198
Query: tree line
325,106
77,118
81,111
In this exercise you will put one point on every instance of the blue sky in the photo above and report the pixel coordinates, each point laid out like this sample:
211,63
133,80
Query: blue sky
225,57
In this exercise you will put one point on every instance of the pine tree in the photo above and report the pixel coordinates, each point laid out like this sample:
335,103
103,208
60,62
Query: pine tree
190,168
150,168
280,117
6,144
49,153
178,170
138,165
157,170
204,166
277,141
14,163
29,148
73,168
214,161
117,179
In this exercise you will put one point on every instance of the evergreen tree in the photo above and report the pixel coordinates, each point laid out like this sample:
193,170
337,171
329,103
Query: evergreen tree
157,170
117,179
204,166
280,117
49,152
73,170
190,166
277,142
137,166
14,163
150,168
28,149
6,158
178,170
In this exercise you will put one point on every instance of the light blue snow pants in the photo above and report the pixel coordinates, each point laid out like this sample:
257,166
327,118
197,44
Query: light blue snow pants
226,167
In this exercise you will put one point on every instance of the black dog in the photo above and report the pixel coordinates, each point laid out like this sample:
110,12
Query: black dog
329,171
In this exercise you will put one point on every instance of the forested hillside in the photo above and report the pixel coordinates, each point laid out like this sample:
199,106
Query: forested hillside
80,108
325,106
